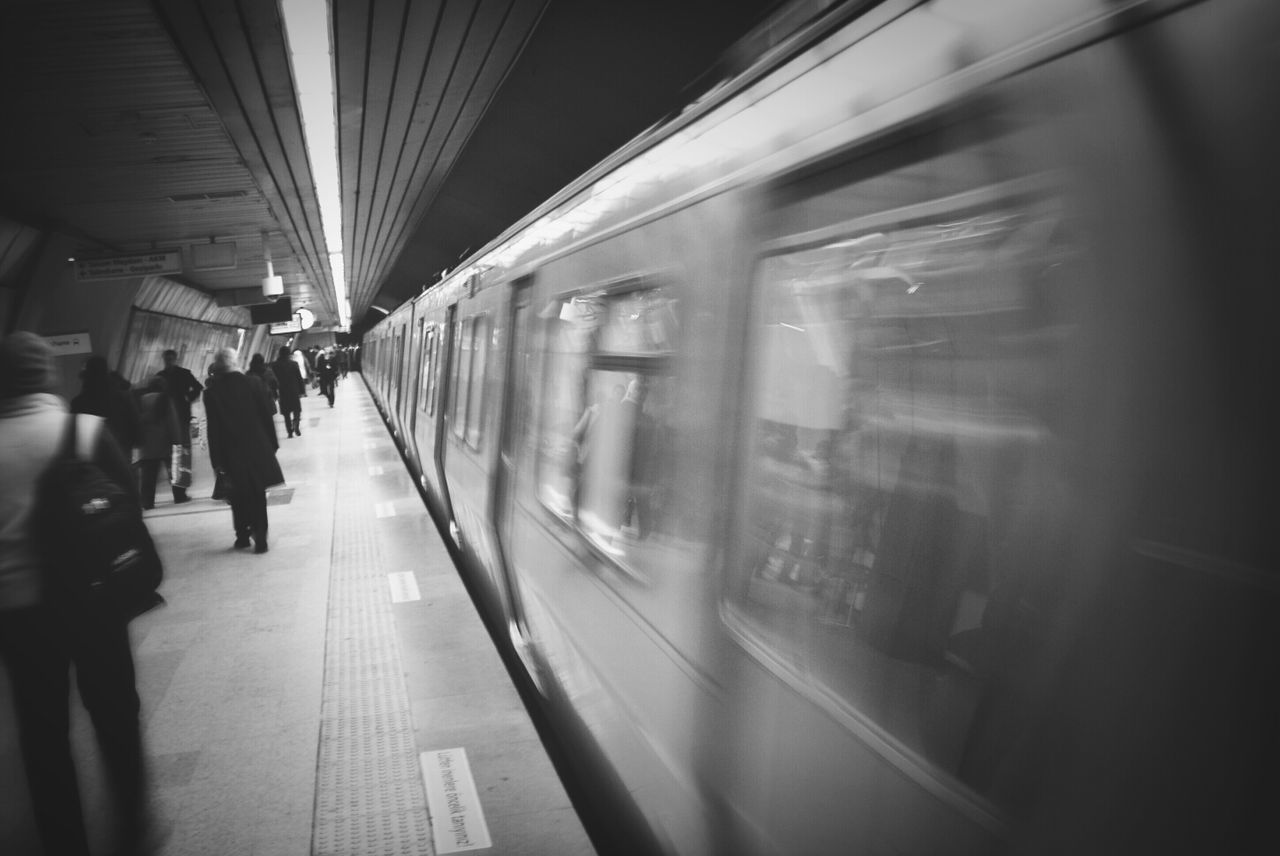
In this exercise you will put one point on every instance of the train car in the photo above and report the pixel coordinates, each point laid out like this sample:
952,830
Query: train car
871,458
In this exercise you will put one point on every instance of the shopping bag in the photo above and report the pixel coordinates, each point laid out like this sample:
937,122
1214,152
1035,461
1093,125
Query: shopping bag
180,466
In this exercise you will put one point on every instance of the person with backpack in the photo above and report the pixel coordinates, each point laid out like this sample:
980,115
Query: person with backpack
43,627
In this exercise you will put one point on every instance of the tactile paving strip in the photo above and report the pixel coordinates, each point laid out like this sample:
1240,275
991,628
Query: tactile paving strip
370,799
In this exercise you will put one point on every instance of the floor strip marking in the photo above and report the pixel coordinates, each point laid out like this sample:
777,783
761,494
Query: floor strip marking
375,471
404,587
384,509
457,818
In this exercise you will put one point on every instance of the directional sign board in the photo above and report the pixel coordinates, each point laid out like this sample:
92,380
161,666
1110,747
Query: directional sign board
154,263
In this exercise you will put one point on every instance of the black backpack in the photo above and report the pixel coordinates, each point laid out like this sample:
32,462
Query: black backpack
99,552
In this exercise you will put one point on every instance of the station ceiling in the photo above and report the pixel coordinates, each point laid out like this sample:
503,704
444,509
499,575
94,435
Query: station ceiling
134,125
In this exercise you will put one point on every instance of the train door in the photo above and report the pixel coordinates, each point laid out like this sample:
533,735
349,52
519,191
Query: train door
521,374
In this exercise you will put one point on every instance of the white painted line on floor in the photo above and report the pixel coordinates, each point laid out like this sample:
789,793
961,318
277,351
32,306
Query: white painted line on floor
370,444
375,471
457,819
404,587
385,509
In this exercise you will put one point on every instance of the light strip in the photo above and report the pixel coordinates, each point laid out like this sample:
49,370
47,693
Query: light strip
306,28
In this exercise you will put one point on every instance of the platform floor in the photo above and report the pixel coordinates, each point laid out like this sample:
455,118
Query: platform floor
308,700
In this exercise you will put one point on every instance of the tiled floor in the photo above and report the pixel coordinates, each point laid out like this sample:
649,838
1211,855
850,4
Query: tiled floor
286,698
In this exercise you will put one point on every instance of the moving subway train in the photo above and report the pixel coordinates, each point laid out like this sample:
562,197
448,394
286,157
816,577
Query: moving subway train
873,458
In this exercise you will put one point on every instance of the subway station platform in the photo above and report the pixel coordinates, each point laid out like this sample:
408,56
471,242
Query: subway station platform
335,695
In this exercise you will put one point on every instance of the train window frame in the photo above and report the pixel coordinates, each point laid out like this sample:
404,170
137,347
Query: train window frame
457,395
424,365
433,369
595,359
764,644
480,347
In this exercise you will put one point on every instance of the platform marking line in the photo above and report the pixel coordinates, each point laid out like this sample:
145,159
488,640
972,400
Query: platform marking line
375,470
457,818
404,587
384,509
371,444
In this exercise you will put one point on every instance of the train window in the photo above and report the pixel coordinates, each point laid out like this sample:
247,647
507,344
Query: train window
475,394
605,414
425,370
461,376
433,359
905,486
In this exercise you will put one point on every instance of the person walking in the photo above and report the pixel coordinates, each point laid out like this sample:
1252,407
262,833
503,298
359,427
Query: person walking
42,632
101,395
258,368
327,370
291,391
183,389
242,446
157,436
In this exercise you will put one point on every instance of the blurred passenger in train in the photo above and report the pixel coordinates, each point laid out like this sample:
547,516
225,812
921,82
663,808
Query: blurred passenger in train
327,371
242,446
292,387
101,395
40,637
157,436
183,389
258,368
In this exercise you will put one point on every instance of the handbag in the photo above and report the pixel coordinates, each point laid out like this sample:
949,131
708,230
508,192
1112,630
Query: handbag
100,554
221,486
180,466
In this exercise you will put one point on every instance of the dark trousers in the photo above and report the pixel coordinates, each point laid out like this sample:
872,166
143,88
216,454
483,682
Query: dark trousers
148,472
38,649
292,419
249,511
326,388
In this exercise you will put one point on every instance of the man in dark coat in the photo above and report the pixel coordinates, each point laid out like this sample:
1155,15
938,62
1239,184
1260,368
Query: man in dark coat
327,370
291,391
183,389
242,445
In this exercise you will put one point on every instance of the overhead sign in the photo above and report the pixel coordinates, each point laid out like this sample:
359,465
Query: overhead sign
154,263
303,319
70,343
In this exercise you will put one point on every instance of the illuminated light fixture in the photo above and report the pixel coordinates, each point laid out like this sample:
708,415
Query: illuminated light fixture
306,28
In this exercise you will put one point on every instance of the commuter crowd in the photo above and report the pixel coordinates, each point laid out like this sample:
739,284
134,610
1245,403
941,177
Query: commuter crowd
128,434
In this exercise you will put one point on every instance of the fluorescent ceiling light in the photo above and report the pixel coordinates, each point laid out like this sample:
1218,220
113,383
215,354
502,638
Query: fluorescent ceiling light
306,27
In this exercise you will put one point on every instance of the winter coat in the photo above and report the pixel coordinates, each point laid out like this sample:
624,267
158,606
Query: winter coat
159,424
242,434
272,383
290,381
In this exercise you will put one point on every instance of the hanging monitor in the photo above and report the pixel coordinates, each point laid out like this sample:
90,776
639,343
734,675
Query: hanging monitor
272,313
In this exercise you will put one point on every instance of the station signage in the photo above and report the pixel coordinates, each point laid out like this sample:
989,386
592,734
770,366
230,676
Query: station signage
153,263
69,344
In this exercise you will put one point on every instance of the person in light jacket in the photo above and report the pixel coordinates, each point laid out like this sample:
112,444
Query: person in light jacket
41,631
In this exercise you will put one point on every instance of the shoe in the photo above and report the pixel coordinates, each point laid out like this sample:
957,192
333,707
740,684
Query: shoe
260,547
178,500
242,542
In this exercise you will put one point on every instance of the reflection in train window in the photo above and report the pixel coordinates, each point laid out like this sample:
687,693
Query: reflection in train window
475,392
906,484
433,369
605,414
